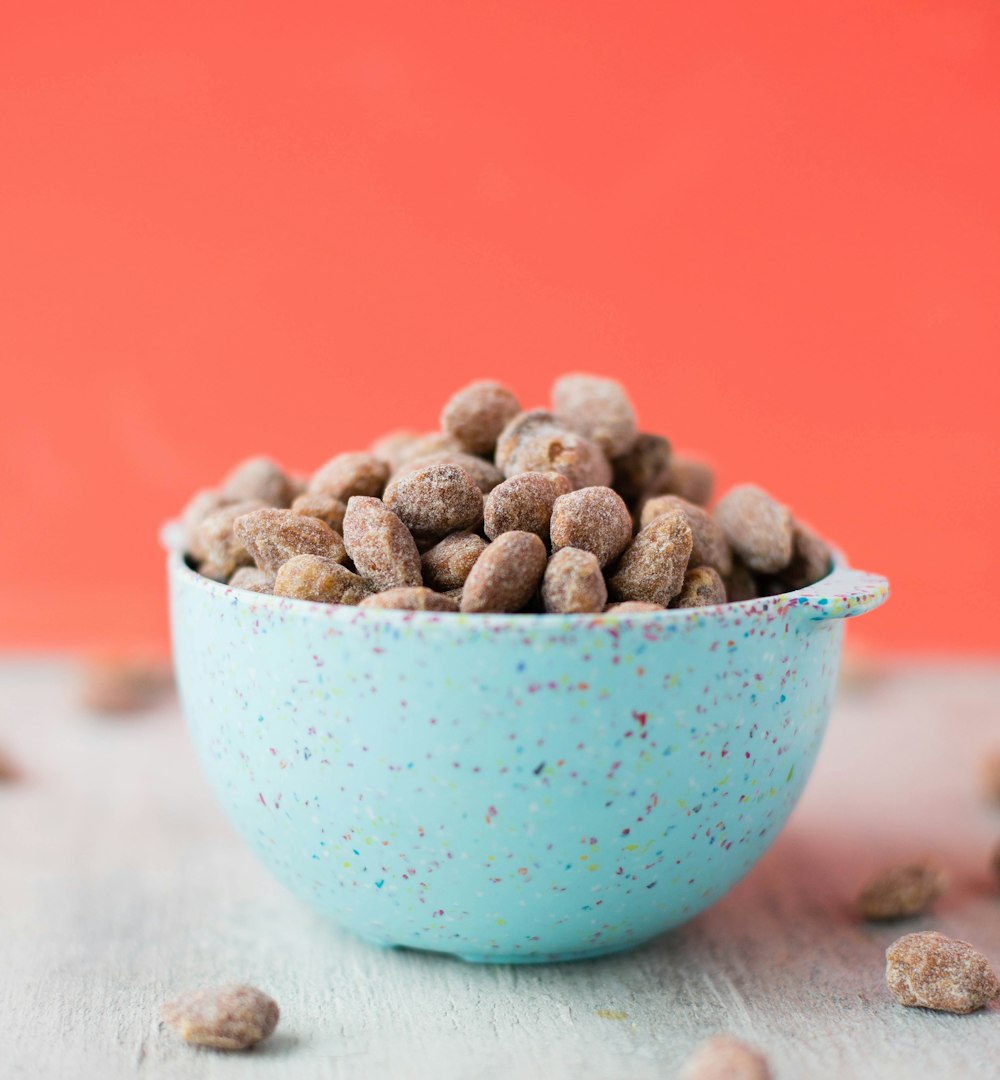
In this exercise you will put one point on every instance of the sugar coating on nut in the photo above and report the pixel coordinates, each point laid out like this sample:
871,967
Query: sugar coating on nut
476,414
725,1058
597,408
273,536
702,588
581,461
410,598
652,567
224,551
573,582
522,426
202,503
233,1017
251,577
595,519
711,548
633,607
523,504
811,559
898,891
394,448
350,474
635,472
325,507
691,479
931,971
447,564
322,580
484,473
380,545
258,478
758,528
740,584
506,575
435,501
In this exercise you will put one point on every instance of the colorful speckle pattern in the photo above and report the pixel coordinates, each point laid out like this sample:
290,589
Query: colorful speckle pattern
509,788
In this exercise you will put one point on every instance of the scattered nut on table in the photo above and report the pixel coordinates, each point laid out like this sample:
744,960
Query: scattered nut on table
725,1058
905,889
8,770
123,685
931,971
232,1017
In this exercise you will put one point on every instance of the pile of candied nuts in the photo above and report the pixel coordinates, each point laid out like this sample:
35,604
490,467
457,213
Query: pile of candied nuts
504,510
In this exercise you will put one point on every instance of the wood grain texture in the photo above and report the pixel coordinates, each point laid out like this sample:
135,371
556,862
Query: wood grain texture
121,883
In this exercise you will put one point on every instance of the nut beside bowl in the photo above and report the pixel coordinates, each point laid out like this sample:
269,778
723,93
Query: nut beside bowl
509,788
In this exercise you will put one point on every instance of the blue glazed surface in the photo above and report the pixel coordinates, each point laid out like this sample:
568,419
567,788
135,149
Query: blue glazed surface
509,788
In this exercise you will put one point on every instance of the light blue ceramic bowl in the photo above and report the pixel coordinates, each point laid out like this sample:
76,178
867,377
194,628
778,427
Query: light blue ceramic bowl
509,788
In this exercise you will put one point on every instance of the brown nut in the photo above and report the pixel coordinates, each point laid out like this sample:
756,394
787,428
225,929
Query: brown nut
702,588
711,548
223,549
430,444
231,1017
691,479
475,416
898,891
652,567
325,507
758,528
380,545
410,598
202,503
252,578
447,564
581,461
435,501
811,559
523,426
740,584
931,971
273,536
394,448
506,575
637,470
573,582
484,473
725,1058
523,504
322,580
258,478
350,474
633,607
598,409
594,519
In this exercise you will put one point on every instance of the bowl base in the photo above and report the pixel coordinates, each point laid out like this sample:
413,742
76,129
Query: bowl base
513,958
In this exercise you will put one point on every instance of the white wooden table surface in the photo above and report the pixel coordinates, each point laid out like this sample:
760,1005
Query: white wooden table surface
121,883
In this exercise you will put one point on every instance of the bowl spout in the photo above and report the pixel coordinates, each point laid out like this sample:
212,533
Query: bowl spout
843,594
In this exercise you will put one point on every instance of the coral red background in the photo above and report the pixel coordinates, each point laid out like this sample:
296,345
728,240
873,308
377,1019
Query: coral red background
239,227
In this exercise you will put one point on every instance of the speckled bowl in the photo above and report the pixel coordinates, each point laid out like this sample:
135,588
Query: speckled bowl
509,788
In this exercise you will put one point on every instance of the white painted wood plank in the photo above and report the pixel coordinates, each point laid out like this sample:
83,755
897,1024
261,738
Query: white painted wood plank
120,883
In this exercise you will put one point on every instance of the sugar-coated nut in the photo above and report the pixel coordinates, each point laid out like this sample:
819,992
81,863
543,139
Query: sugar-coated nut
475,416
394,448
350,474
429,444
691,479
652,567
258,478
123,684
637,470
506,575
725,1058
581,461
597,408
931,971
265,588
484,473
251,577
380,545
898,891
711,548
523,504
573,582
322,580
447,564
633,607
702,588
435,501
410,598
811,559
202,503
595,519
325,507
758,528
233,1017
522,426
740,584
274,536
223,549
